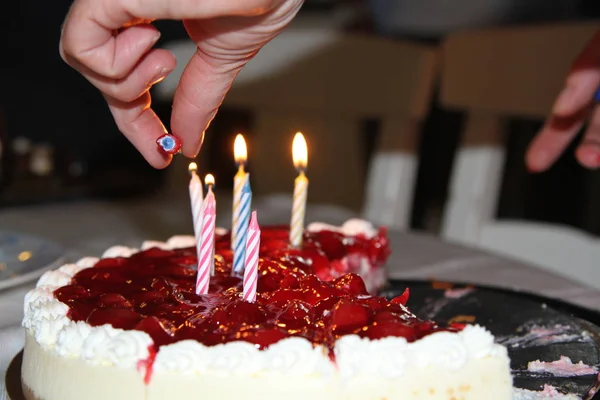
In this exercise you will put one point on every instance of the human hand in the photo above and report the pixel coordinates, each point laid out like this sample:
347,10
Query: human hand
574,105
110,43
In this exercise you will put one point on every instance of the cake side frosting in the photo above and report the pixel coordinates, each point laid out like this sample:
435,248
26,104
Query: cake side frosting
439,364
47,320
47,376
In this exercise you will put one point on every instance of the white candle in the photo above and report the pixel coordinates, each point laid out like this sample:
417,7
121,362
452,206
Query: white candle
300,156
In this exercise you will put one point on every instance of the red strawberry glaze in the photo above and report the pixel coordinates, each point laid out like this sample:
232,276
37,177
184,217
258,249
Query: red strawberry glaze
330,254
153,291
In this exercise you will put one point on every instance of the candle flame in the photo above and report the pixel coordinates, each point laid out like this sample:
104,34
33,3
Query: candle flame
193,167
299,151
209,180
240,152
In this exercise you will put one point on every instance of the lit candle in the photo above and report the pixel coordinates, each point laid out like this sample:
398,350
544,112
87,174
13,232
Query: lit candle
300,156
240,153
196,200
251,260
206,258
239,249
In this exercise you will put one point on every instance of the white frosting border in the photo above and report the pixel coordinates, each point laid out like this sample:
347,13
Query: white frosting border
46,319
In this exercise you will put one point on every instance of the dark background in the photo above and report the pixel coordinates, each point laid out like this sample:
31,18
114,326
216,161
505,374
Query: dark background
42,99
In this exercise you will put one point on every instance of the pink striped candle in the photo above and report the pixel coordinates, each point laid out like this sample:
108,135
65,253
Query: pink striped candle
251,267
206,258
209,181
196,200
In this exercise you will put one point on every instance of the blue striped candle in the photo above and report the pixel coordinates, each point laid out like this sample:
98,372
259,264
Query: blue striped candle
239,247
240,153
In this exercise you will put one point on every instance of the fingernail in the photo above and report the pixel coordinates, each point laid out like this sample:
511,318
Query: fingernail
199,146
159,77
156,37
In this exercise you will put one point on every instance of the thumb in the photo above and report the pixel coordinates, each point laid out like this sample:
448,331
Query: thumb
225,45
199,94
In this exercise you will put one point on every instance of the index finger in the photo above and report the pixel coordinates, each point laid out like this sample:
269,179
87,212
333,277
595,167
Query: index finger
570,109
582,81
92,38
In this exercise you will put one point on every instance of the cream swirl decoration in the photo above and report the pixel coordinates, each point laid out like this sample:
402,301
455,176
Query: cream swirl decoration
442,349
352,227
51,309
126,348
480,342
55,278
119,251
72,269
349,355
148,244
46,330
291,355
95,344
87,262
297,356
108,346
390,357
41,294
71,338
181,241
236,358
187,356
357,356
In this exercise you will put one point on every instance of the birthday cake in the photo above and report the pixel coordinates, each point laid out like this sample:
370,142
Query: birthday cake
130,326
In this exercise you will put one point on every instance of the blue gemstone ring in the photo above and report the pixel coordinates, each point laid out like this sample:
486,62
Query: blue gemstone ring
169,144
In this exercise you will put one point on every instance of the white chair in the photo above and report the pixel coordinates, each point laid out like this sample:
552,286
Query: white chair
318,80
492,75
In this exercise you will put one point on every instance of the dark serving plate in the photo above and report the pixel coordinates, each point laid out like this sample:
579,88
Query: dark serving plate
530,326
